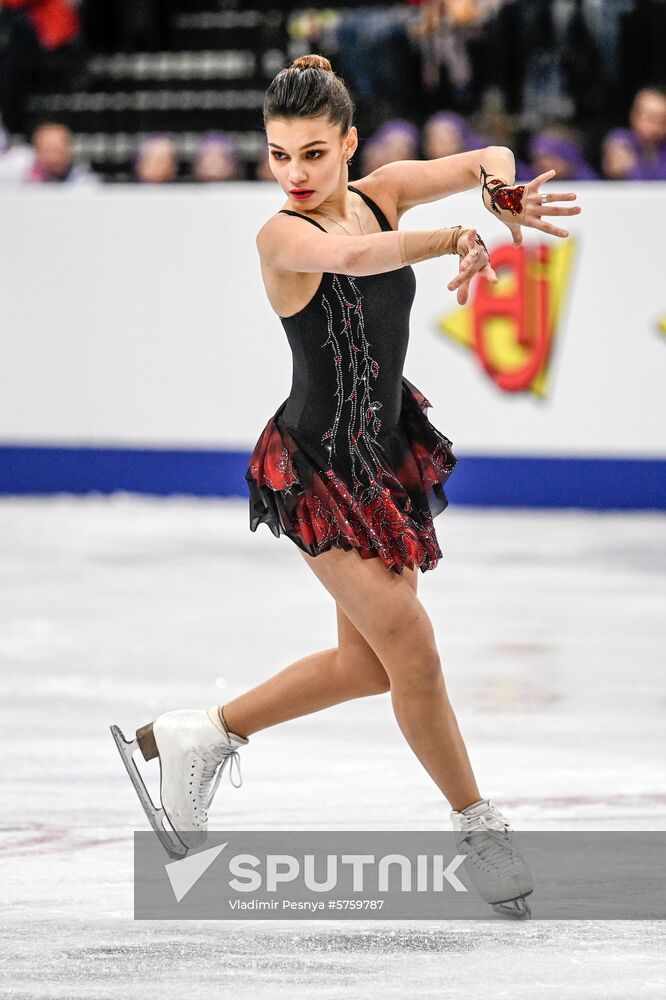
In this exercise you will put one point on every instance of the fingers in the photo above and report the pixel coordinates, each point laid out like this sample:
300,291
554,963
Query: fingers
541,178
515,230
476,262
549,209
546,227
461,277
469,266
463,292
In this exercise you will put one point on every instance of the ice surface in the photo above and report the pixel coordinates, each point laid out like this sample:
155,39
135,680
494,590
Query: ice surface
551,631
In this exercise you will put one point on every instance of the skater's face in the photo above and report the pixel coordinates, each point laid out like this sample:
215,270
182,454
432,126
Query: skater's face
309,154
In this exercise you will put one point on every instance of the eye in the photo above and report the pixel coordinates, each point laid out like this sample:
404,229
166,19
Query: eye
278,154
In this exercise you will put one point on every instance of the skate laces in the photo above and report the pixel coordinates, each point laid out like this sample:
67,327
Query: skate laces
493,850
488,837
491,819
221,756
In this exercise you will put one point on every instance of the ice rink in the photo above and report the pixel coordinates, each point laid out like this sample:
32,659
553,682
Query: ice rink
551,630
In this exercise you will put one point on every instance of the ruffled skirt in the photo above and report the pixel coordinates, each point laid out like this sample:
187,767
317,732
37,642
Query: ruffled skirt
380,496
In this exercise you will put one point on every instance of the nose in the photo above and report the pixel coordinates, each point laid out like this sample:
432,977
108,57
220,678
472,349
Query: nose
297,179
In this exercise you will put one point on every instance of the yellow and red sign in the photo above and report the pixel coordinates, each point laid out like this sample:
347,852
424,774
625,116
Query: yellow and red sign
511,326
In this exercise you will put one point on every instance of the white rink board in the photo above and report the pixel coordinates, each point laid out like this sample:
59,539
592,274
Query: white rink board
137,317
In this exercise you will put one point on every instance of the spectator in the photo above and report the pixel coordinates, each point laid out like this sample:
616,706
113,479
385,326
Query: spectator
372,156
216,158
395,140
445,133
558,148
638,153
452,36
263,170
618,156
39,39
378,58
155,161
399,138
15,159
54,161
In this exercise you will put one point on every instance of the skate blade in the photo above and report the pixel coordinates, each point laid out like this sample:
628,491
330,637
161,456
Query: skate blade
518,908
172,844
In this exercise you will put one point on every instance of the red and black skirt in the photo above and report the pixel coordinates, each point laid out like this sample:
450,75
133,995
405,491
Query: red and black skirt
377,494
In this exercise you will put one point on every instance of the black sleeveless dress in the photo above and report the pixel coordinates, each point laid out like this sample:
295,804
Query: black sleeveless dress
350,458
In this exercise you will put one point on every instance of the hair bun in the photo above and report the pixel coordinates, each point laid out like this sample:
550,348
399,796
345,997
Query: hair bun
312,61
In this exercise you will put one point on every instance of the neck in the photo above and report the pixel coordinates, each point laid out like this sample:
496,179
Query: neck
338,205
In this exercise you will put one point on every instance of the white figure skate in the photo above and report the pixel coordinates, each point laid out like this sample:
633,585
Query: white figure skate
192,745
494,863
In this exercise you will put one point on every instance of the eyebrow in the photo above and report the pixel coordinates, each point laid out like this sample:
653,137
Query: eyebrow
315,142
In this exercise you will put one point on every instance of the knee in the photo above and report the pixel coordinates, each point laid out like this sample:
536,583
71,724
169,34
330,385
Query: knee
364,671
411,658
417,675
381,682
376,681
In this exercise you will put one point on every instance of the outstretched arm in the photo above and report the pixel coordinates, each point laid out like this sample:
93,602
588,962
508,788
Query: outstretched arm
493,169
519,205
285,244
416,182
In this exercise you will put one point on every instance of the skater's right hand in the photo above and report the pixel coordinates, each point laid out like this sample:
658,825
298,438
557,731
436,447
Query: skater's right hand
518,205
474,259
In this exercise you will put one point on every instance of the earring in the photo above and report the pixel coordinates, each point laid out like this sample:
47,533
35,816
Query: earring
349,160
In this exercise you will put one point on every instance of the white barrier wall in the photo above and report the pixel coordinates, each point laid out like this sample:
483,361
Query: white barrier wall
135,316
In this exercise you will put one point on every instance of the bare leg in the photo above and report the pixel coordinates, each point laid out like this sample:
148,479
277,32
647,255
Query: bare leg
388,614
315,682
350,670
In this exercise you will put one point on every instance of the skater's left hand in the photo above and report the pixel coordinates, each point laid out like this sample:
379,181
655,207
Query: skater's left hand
518,205
474,259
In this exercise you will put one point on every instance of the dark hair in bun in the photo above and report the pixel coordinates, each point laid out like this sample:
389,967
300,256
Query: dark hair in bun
309,88
312,61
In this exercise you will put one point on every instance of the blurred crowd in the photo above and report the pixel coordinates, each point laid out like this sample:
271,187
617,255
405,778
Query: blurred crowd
552,79
577,84
636,151
49,158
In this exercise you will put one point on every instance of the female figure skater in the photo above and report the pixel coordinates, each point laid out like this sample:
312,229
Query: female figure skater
350,467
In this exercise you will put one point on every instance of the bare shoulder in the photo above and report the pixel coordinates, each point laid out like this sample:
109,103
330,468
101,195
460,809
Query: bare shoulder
276,232
381,186
273,229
